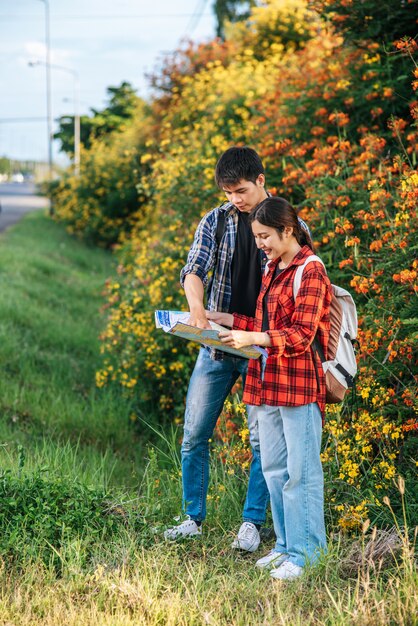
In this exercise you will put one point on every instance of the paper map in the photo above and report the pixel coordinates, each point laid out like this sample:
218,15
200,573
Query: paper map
175,323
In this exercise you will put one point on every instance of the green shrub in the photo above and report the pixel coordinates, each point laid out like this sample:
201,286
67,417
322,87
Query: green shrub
40,514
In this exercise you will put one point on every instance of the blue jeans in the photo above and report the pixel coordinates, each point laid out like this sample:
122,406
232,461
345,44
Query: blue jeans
290,444
210,384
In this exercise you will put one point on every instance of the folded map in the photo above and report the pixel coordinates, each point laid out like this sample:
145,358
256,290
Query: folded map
175,323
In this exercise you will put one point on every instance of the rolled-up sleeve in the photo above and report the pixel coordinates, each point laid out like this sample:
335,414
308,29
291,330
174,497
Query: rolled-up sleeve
202,254
309,304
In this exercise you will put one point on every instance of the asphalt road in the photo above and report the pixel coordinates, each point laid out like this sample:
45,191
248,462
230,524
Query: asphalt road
16,199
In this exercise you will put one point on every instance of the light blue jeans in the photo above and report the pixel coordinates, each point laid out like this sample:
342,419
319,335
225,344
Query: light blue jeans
209,386
290,445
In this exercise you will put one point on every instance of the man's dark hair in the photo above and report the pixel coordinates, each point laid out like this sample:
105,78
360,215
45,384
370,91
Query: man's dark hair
236,164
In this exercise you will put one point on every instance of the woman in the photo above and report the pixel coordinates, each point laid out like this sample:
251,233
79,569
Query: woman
286,389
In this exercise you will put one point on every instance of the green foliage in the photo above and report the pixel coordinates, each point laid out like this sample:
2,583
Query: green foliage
376,20
230,11
121,107
4,165
108,198
40,514
103,202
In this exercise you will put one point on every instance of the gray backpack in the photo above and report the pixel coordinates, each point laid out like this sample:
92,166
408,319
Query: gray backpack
340,367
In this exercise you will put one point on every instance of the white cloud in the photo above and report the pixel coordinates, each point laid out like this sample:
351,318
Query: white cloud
36,51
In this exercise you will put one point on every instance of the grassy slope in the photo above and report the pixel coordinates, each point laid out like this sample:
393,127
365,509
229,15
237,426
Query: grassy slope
49,312
50,297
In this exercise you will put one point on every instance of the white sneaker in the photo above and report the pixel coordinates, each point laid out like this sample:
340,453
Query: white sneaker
286,571
272,559
248,538
188,528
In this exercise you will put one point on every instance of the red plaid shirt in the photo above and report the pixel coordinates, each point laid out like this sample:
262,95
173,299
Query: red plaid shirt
290,376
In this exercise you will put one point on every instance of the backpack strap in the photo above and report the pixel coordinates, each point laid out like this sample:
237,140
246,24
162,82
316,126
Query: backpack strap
296,286
298,274
220,227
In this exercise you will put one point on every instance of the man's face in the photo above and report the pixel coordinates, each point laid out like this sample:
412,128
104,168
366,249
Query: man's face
245,195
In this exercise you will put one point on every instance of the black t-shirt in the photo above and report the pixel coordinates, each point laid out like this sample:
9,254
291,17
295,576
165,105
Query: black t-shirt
246,271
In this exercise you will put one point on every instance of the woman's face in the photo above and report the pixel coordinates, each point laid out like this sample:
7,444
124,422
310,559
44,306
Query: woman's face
268,239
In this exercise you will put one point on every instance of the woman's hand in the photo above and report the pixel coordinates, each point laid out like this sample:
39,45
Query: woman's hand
241,338
236,338
225,319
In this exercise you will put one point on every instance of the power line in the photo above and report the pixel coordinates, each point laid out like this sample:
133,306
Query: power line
6,120
196,16
108,17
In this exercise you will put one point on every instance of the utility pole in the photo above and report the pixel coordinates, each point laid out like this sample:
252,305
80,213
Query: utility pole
48,92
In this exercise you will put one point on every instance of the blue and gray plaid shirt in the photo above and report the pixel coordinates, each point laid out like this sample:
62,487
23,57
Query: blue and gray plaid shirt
204,256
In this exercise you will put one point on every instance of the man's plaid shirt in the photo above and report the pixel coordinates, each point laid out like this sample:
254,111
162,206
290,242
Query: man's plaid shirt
290,377
205,256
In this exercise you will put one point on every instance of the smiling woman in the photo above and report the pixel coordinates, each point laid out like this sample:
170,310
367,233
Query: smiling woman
285,391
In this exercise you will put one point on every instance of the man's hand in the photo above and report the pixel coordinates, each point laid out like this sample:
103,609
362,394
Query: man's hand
199,319
225,319
193,288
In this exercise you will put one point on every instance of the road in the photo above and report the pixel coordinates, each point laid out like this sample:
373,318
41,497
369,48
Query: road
16,199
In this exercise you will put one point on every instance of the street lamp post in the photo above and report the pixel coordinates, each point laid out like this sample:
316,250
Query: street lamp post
76,110
76,124
48,87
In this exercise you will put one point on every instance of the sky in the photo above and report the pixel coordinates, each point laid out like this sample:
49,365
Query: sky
104,42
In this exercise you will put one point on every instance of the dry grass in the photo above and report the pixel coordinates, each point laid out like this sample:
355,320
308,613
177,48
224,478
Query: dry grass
178,586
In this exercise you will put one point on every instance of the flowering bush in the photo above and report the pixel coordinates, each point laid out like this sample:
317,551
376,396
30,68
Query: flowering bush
107,199
335,122
370,20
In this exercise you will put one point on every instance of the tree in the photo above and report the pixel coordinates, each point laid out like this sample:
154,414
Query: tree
378,20
121,107
231,11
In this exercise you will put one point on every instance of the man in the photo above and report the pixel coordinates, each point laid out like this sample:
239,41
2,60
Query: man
231,253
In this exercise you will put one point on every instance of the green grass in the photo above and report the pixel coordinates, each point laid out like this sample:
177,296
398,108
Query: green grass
85,493
50,298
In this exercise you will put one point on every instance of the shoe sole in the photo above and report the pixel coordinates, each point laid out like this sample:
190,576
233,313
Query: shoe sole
286,577
238,547
181,537
272,564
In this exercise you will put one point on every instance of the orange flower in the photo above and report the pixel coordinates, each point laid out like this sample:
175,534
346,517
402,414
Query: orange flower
375,246
406,44
397,124
339,118
352,242
360,284
321,112
376,112
405,276
316,131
